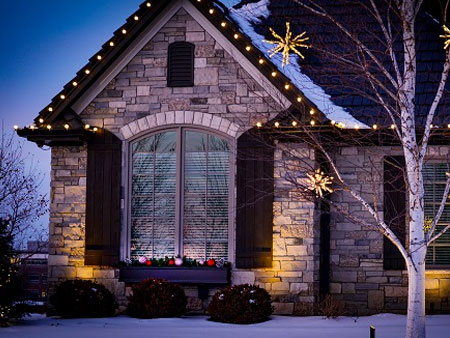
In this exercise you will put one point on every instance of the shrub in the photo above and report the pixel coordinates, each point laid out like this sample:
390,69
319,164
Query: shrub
155,298
330,307
240,304
83,299
11,284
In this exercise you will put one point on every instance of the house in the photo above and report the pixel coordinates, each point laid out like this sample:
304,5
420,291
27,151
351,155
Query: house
33,269
153,156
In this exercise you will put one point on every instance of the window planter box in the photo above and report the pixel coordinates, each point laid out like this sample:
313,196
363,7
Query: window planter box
180,275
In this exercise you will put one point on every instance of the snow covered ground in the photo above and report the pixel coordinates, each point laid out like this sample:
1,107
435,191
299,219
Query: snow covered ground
387,326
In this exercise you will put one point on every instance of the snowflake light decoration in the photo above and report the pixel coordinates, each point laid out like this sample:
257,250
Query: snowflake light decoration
446,36
319,182
287,44
428,221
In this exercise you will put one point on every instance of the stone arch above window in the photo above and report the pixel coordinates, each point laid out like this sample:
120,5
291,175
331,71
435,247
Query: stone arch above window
150,122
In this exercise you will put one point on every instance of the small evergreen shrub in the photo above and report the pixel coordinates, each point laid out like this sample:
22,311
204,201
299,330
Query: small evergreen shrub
83,299
11,284
240,304
156,298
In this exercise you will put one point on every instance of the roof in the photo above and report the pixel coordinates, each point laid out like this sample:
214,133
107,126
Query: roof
344,87
313,83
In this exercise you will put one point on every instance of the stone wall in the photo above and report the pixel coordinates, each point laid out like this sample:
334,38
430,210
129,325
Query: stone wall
293,279
67,223
358,279
223,91
221,86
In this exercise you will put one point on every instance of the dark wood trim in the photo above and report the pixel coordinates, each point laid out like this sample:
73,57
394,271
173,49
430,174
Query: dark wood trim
255,197
56,138
180,275
394,209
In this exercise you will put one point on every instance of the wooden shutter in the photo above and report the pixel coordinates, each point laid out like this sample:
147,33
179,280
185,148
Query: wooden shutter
103,200
180,67
394,210
255,169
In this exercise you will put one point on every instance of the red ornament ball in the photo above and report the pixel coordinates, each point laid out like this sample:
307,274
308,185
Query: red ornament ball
171,262
211,262
148,263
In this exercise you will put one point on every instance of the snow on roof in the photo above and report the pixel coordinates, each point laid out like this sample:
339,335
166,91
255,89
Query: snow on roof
246,17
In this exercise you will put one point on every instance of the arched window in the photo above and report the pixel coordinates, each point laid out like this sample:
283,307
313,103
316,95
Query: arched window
180,195
180,65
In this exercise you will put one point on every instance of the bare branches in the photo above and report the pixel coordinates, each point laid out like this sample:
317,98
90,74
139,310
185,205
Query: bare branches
434,105
387,32
20,201
320,11
438,215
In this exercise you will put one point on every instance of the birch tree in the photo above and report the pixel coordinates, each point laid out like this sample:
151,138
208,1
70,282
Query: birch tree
391,80
379,65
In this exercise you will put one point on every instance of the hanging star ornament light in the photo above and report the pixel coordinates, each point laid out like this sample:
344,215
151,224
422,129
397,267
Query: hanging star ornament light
446,36
287,44
319,182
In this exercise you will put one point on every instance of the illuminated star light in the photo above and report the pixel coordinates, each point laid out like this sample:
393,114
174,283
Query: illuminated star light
319,182
446,35
287,44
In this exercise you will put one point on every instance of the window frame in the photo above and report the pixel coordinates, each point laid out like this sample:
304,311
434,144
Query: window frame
127,179
435,266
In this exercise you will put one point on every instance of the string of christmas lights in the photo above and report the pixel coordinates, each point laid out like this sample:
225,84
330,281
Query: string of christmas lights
286,45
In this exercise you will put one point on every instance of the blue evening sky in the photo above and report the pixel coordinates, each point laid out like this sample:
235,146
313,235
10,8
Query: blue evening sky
43,43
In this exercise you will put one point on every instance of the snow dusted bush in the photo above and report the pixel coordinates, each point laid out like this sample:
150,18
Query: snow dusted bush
240,304
155,298
83,299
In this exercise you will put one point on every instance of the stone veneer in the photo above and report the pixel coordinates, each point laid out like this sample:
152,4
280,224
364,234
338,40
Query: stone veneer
294,277
67,223
357,275
228,99
224,98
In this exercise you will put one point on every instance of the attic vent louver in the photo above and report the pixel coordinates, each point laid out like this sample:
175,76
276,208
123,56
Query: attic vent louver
180,71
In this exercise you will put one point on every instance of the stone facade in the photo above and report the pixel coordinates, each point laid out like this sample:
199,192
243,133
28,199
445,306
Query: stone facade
221,88
225,98
357,275
293,279
67,223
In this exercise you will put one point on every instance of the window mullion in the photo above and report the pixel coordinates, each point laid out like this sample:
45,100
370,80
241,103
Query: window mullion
206,195
179,216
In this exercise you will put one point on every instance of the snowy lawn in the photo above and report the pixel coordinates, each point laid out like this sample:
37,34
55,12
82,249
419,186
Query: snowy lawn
387,325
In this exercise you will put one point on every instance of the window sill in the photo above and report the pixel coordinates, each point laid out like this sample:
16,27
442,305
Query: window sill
180,275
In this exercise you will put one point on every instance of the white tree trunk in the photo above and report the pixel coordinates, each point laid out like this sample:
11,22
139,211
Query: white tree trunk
415,323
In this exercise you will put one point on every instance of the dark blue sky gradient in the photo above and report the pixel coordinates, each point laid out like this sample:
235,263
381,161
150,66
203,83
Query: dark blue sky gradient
43,43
